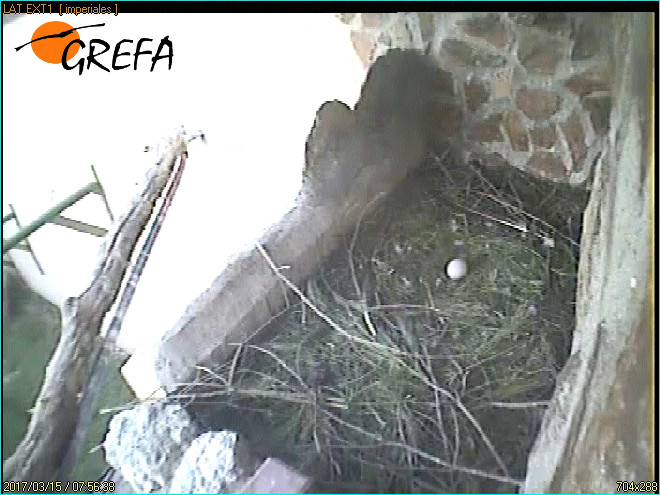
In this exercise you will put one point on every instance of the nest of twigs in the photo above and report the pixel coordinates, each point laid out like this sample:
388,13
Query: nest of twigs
388,376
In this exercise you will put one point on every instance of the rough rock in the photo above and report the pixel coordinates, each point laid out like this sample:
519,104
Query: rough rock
145,444
475,94
489,28
516,131
590,81
487,131
544,136
546,165
207,465
539,52
458,53
537,103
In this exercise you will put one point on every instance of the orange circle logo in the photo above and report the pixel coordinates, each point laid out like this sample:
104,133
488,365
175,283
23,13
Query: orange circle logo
51,49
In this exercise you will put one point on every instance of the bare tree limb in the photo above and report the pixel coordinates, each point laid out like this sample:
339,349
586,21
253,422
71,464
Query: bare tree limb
42,454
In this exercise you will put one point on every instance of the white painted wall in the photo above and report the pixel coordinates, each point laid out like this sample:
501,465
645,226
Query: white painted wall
251,82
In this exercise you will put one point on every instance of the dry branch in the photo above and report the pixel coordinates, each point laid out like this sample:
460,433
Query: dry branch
48,450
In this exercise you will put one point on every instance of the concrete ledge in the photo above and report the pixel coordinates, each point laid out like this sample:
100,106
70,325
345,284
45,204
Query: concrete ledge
354,158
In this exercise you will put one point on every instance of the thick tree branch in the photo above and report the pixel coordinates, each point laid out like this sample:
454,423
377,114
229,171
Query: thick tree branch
42,454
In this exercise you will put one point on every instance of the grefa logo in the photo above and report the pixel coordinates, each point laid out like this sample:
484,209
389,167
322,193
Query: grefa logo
57,42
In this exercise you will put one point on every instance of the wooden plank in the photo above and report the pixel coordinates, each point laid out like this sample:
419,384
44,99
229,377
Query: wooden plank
273,476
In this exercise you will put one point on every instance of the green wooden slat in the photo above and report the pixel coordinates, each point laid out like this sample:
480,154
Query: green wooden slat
79,226
48,216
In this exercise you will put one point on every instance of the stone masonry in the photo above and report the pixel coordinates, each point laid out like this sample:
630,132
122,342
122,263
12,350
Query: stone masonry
532,90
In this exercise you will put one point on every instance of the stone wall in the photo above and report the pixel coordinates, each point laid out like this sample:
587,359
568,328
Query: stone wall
558,95
531,89
600,426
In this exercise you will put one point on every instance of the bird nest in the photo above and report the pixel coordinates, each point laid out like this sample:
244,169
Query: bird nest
383,374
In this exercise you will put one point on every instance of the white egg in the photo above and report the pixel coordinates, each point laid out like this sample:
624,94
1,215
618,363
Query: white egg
456,269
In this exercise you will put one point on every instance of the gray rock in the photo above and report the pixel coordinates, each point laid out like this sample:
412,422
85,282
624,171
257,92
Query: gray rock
146,443
208,464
